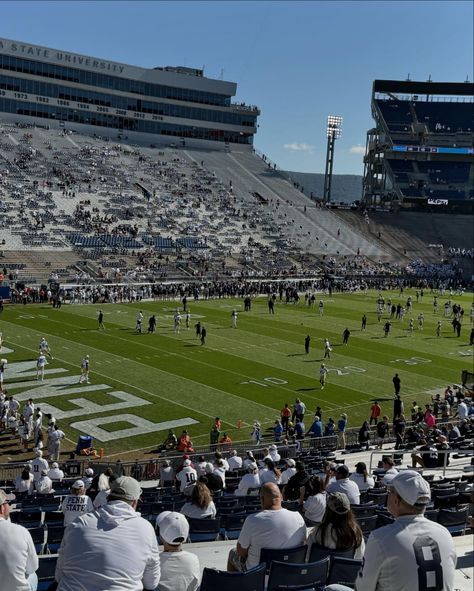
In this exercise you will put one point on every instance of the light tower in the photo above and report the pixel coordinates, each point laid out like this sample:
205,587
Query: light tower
333,132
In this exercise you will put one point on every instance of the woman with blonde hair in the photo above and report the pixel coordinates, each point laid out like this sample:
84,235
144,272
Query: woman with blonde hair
201,504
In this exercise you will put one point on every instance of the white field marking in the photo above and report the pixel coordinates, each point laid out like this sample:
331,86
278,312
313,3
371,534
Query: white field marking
312,397
236,373
165,372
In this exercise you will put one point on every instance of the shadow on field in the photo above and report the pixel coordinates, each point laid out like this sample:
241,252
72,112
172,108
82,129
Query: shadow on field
311,360
295,354
305,389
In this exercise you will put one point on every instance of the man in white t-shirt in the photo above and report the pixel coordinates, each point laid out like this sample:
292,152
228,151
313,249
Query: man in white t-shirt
18,559
413,552
186,476
77,503
274,528
344,485
179,569
234,461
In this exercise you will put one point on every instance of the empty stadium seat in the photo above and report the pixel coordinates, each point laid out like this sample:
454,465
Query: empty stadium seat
298,577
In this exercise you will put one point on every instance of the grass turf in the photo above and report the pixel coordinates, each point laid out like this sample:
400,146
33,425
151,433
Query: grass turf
240,374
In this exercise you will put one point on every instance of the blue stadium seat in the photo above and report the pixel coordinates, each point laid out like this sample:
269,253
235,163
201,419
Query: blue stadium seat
294,555
298,577
252,580
343,571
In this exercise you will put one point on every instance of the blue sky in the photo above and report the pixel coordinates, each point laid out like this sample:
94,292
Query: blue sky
298,61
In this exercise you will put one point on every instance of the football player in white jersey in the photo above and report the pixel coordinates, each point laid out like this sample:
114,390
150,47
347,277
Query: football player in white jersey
412,552
44,347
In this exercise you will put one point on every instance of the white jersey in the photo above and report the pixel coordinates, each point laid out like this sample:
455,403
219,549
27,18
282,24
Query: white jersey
186,477
41,361
411,553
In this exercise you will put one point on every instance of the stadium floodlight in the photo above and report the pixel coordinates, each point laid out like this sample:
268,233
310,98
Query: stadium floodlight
334,127
333,133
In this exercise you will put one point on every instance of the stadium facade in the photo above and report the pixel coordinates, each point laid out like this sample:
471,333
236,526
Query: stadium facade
419,155
57,88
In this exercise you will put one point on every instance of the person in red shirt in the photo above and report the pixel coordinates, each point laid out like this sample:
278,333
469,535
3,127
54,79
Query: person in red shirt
285,414
184,442
375,412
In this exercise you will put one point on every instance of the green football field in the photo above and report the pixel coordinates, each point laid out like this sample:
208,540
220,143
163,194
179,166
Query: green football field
142,384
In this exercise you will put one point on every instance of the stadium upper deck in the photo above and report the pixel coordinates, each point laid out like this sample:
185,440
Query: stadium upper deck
420,152
38,83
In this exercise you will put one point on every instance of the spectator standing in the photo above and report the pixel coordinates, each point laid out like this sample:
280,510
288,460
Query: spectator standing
273,527
179,569
375,412
18,559
364,435
341,431
398,407
412,548
122,549
399,426
382,431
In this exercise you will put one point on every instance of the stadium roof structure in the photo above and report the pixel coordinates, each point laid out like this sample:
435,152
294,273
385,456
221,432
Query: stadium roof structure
429,87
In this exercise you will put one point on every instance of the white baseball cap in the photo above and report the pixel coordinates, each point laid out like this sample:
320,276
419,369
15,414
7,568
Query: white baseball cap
412,487
173,526
89,472
187,463
290,462
78,484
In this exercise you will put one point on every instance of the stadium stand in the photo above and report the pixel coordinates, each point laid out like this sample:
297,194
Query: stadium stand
419,155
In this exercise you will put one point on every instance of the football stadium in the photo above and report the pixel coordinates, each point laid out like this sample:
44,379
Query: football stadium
177,309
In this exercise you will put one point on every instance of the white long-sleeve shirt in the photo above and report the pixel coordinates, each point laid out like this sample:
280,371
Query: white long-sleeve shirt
110,549
17,556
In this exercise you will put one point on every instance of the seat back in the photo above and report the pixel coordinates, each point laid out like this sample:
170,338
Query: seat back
231,525
454,521
284,575
252,580
54,537
343,571
318,552
47,567
203,530
294,555
364,511
367,524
